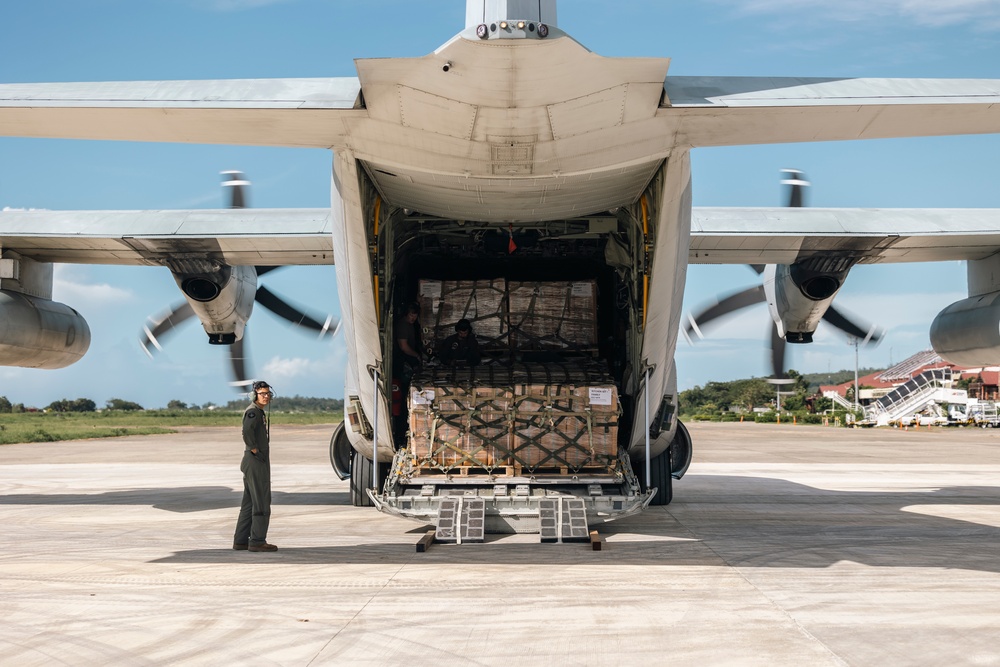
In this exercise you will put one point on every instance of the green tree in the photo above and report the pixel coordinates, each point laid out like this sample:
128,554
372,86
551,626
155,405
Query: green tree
801,383
748,394
83,405
121,404
5,405
66,405
794,403
177,405
295,404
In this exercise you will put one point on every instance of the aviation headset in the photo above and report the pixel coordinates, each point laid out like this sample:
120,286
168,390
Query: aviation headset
259,384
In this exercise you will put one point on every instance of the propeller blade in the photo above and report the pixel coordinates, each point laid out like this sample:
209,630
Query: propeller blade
731,303
796,180
239,362
157,328
237,184
777,354
282,308
868,333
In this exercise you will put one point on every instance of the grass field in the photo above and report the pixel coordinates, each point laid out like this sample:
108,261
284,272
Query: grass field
53,426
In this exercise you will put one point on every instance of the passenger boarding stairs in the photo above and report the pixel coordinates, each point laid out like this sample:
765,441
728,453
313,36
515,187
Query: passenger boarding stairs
839,400
929,388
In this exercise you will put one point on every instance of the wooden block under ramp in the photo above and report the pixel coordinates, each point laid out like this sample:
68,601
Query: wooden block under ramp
596,543
563,520
425,542
461,519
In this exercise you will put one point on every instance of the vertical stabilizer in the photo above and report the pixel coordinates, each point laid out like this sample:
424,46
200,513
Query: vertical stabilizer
490,11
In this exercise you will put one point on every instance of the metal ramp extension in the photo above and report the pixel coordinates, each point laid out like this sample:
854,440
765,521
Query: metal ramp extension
463,519
563,519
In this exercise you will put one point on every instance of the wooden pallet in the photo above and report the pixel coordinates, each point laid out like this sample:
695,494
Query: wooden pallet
464,471
516,470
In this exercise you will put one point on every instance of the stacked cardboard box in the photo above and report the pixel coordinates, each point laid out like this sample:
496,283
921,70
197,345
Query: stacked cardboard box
553,315
531,417
456,421
559,315
564,416
445,302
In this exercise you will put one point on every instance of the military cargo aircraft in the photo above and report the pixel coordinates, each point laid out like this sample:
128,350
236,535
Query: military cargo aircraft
547,190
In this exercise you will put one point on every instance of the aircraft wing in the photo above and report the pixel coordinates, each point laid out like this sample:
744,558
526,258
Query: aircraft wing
732,111
308,113
700,111
870,236
259,237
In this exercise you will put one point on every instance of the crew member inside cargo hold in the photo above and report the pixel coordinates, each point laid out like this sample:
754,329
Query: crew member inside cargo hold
409,348
461,348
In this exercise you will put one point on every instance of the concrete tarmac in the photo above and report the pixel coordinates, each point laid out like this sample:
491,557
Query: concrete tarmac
784,546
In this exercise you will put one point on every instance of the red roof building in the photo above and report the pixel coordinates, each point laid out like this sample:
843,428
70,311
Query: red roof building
984,385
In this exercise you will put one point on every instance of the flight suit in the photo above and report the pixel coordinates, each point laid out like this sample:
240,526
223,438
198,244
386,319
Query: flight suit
255,510
458,351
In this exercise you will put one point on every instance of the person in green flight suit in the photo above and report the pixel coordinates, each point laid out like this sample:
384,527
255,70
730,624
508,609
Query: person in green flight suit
255,510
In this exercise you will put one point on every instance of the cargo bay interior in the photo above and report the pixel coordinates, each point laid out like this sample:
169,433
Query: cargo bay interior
543,293
557,309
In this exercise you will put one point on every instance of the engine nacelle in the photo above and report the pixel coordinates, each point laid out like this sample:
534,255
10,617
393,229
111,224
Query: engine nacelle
221,296
39,333
798,295
968,332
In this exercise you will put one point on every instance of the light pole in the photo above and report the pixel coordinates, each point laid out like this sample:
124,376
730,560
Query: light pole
778,383
856,343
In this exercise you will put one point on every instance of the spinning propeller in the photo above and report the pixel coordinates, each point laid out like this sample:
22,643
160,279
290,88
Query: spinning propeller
850,325
159,326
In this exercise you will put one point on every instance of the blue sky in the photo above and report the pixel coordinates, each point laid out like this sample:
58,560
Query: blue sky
95,40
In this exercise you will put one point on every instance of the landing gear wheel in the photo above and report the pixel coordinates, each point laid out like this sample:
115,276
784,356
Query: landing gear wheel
362,476
341,452
680,451
659,478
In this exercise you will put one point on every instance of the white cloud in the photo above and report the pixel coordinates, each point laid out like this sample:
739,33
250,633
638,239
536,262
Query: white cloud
898,310
889,311
279,369
70,286
739,347
8,373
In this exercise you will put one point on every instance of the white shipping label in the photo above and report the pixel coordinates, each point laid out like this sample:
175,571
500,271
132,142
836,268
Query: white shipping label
425,397
583,289
430,289
600,395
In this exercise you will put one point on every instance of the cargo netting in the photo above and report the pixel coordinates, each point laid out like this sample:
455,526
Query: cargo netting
511,315
516,419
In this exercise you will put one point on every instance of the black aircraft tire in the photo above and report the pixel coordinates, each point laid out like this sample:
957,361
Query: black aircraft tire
341,452
659,478
361,479
681,451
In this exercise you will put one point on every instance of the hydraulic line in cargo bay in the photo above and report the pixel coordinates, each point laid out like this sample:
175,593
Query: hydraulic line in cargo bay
374,251
645,260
